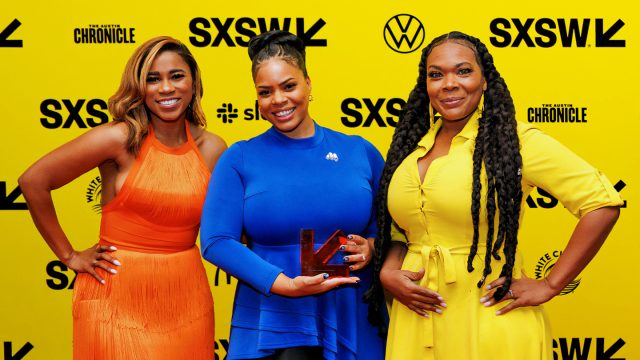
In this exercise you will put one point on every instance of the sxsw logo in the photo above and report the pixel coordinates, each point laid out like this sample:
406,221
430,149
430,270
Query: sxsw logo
19,354
8,201
582,349
404,33
366,112
60,276
234,32
546,32
55,117
220,344
7,32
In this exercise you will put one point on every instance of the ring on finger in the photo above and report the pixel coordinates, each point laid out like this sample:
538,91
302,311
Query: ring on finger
364,258
511,293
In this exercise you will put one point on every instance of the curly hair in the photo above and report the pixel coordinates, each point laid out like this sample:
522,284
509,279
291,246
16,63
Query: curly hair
497,148
127,104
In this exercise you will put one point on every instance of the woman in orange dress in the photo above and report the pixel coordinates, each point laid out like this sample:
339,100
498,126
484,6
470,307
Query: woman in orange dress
141,291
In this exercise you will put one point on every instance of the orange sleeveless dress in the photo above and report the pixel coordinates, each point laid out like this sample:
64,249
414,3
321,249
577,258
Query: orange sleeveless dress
159,305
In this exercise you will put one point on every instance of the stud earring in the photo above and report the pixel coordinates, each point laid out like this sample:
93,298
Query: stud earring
310,97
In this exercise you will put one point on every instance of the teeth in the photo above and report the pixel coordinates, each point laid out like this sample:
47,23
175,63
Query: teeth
168,102
284,113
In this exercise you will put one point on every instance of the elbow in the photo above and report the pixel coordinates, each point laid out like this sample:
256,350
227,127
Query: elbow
32,182
26,181
614,213
206,250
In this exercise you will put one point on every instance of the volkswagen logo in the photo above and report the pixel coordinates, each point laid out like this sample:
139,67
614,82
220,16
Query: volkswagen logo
404,33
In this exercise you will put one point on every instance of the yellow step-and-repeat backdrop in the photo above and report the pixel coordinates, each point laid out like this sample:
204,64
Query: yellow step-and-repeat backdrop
61,61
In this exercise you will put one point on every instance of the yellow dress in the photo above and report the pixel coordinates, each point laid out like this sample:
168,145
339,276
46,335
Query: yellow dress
434,218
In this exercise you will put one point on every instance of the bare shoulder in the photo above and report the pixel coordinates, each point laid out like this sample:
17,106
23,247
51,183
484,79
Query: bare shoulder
117,132
112,134
211,146
94,147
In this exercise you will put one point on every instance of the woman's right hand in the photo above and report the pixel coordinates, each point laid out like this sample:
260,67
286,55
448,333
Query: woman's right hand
400,283
90,259
308,285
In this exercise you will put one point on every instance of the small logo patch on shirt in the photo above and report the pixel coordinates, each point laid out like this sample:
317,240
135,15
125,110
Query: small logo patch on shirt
332,156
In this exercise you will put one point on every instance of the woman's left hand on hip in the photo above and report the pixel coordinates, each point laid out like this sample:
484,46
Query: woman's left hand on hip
523,292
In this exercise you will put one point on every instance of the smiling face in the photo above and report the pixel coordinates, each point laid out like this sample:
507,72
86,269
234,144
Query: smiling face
169,87
283,97
454,80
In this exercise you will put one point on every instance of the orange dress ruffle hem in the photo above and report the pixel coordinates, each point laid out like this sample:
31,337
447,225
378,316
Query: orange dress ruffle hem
159,304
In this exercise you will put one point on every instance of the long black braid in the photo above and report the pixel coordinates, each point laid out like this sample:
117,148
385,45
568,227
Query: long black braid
497,151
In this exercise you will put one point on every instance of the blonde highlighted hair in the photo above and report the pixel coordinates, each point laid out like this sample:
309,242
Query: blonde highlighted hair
127,104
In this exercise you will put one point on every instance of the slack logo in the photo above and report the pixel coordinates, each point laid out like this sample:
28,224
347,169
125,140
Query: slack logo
234,32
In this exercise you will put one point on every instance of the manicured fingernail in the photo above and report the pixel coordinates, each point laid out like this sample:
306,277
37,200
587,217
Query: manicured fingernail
498,312
488,287
102,282
113,271
483,299
112,248
346,258
116,262
351,268
487,303
350,236
342,247
438,311
325,275
425,315
440,297
443,304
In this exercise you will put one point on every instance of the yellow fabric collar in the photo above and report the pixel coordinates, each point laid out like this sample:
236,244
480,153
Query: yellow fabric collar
469,131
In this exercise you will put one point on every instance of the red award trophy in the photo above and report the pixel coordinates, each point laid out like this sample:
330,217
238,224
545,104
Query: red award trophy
314,263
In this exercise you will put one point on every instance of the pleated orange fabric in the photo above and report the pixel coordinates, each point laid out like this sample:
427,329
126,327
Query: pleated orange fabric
159,305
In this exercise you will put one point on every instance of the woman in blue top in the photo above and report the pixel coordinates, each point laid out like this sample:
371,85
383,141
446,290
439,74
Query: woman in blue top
297,175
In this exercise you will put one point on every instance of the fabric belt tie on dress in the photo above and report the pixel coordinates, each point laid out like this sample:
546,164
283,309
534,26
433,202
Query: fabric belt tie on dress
436,259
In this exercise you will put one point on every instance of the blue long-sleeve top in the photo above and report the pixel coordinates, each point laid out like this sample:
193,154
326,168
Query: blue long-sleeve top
269,188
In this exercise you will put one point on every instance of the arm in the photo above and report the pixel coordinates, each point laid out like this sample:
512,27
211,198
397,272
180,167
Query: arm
587,238
58,168
584,192
361,248
221,232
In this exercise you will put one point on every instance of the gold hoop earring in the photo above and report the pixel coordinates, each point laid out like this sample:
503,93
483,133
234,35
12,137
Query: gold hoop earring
432,115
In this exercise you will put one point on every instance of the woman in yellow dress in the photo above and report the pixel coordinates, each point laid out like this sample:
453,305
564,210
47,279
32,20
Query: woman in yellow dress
446,266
